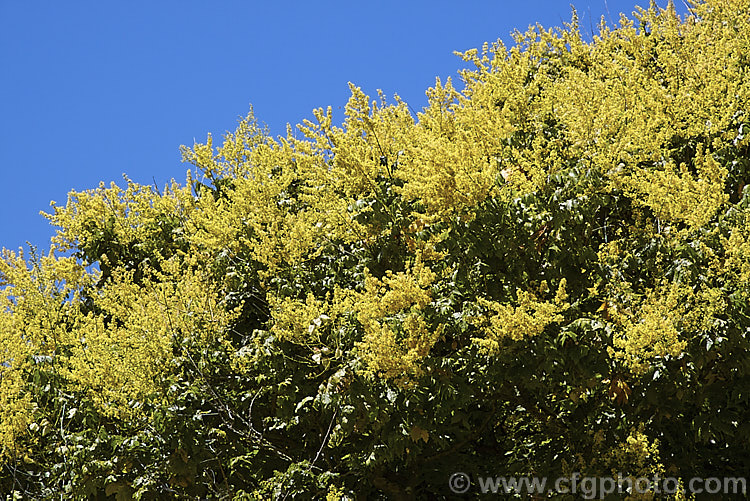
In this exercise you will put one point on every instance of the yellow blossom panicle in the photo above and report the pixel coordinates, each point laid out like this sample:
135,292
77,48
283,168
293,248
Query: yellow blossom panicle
39,299
662,323
396,337
527,319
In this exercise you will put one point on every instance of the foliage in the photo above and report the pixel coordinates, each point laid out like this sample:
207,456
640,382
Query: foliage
544,272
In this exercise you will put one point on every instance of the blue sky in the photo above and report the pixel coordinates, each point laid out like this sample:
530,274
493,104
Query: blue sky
94,90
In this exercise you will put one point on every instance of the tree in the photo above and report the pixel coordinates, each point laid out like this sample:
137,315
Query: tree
545,272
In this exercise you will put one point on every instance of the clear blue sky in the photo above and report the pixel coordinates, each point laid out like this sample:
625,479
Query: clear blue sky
91,90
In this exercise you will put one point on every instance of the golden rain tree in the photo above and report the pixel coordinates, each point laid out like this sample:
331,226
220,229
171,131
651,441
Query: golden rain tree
545,271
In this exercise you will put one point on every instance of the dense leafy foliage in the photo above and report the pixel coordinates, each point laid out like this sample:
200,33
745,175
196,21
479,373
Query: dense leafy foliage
545,272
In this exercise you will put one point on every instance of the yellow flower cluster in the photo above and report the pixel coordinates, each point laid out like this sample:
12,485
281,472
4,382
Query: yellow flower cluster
121,352
659,325
395,335
37,300
527,319
736,265
284,204
130,216
115,345
620,101
640,454
676,195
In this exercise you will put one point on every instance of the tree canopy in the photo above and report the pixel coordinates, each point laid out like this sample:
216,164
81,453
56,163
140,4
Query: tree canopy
545,271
